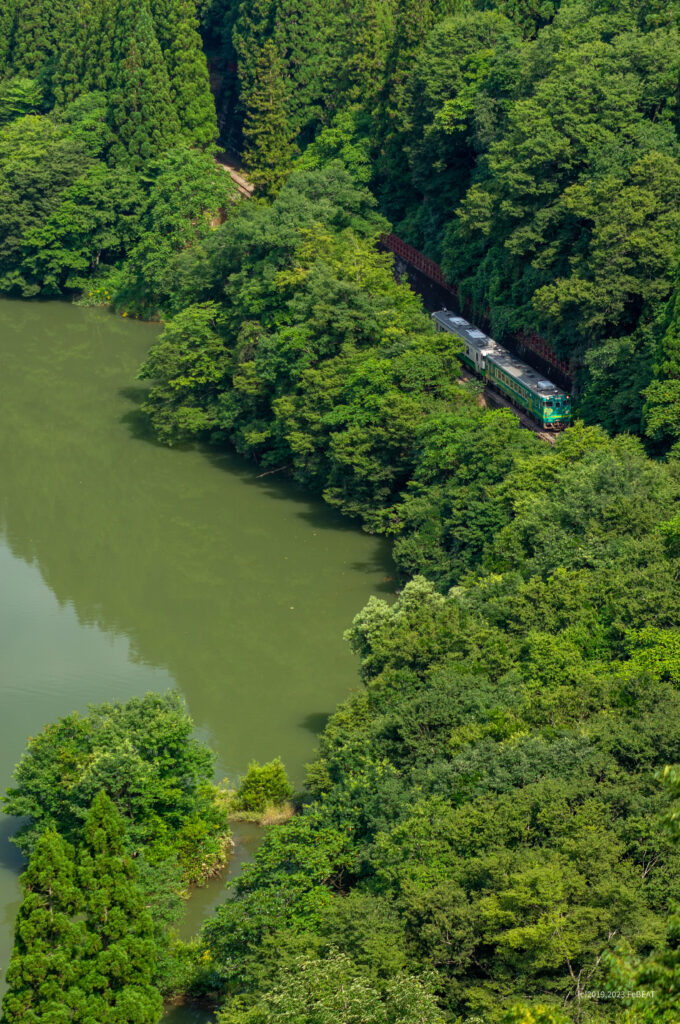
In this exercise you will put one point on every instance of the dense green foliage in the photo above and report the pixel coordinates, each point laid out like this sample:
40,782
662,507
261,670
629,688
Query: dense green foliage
531,148
262,786
105,110
659,972
121,815
48,939
134,771
487,808
84,947
334,991
302,350
143,756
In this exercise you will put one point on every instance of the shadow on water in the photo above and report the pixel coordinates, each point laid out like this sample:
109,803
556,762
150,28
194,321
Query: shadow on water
310,508
388,583
136,420
10,858
315,722
135,393
276,484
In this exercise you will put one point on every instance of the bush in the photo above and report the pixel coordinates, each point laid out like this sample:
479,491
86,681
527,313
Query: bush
262,786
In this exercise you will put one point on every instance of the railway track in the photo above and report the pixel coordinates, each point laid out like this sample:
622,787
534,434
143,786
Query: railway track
492,399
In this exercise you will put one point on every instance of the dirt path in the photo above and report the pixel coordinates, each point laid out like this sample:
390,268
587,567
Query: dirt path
243,185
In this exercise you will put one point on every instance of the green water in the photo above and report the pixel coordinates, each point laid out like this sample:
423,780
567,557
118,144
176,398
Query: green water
125,566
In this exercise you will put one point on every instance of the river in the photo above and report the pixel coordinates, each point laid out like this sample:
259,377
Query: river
126,567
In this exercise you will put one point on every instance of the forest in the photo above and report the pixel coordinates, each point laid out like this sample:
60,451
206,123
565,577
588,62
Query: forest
489,833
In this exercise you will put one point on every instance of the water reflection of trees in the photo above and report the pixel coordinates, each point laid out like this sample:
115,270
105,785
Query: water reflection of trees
198,568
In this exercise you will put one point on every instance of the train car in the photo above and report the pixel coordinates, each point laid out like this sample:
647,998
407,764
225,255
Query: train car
540,398
478,347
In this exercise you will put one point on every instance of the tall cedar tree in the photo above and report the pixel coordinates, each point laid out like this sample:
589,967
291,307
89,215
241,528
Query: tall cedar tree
413,20
363,60
143,117
38,35
46,967
269,147
86,58
253,27
121,954
7,25
177,32
306,35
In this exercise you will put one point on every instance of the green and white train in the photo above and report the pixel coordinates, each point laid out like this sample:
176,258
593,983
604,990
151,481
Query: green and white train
540,398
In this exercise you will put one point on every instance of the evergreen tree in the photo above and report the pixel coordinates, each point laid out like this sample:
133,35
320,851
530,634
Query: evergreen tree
46,962
177,32
121,954
40,32
306,34
30,42
7,26
104,54
18,96
143,117
252,28
413,20
269,146
84,62
364,56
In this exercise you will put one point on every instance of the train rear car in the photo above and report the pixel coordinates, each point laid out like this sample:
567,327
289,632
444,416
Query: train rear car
477,345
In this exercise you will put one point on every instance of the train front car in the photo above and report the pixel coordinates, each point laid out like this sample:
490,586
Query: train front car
556,407
527,389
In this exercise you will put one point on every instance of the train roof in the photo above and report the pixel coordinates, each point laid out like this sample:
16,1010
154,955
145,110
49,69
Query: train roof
472,335
491,350
515,368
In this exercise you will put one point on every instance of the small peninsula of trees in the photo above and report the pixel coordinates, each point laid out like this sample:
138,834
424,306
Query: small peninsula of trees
121,816
143,756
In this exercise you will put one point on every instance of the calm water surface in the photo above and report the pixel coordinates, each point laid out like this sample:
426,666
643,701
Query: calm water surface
127,567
